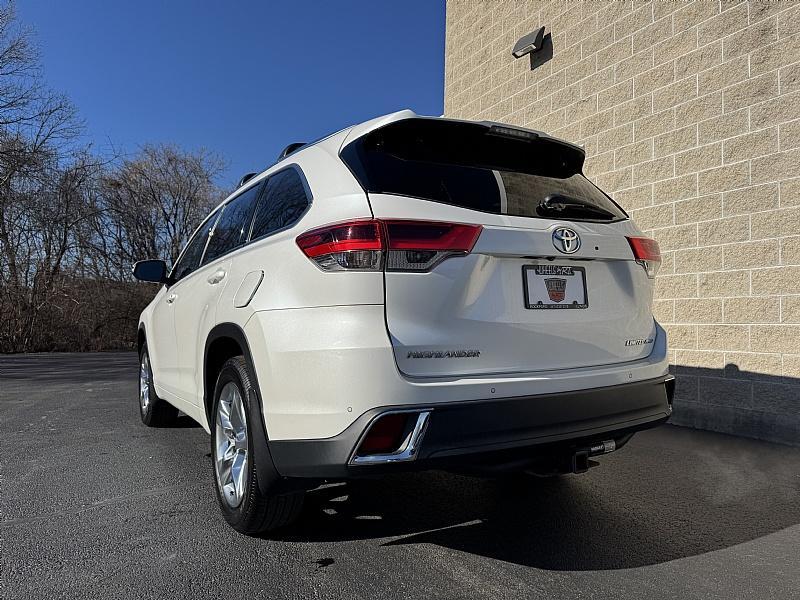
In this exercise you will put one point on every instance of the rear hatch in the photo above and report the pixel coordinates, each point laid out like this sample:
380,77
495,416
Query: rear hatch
551,281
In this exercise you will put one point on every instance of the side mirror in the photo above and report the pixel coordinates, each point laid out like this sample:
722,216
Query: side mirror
154,271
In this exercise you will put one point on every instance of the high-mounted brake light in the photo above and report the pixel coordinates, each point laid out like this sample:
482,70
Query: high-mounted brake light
394,245
647,253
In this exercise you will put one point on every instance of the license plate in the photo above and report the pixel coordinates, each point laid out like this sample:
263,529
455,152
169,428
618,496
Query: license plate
554,286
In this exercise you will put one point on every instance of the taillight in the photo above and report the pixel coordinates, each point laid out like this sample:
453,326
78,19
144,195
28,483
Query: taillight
352,246
647,253
421,245
396,245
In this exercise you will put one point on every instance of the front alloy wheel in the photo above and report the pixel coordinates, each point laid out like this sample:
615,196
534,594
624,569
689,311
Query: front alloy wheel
144,382
154,411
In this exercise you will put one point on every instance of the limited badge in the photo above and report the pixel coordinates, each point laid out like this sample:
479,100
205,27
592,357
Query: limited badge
556,288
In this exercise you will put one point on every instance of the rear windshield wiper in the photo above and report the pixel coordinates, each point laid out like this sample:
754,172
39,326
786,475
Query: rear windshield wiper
561,206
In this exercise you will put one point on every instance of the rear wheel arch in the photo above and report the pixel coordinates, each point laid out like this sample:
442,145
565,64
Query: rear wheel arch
225,341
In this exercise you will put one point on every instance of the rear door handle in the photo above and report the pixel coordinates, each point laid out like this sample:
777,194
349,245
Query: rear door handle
171,298
218,276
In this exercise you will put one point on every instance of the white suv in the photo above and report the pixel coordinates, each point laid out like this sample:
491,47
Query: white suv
408,293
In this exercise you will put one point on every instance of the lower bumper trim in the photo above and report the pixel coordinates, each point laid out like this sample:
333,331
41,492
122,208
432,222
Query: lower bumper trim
406,452
465,432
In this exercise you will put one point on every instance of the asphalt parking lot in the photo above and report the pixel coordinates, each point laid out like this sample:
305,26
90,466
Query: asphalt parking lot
95,505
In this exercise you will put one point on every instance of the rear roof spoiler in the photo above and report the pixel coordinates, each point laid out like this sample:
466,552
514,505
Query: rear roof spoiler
363,129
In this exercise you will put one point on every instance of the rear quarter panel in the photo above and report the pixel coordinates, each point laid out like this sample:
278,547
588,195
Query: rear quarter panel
290,279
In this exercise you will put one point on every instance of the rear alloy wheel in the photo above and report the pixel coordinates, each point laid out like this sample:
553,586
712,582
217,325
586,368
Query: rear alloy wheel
244,505
154,411
230,435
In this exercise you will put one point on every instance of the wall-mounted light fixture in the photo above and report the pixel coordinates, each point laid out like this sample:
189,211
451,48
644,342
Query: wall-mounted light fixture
528,43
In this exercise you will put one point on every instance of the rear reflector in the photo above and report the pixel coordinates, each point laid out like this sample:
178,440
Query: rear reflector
405,245
385,436
647,253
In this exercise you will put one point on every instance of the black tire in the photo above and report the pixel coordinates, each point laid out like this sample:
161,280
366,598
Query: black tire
257,512
155,412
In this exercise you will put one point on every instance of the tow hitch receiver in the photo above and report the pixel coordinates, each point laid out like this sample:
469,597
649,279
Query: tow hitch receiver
580,460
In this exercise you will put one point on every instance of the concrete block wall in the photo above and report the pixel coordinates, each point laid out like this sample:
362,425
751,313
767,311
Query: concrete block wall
690,115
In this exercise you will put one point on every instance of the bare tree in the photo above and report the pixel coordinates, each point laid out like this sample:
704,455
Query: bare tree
153,202
41,176
71,224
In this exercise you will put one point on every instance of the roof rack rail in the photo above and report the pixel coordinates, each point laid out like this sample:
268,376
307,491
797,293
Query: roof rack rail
245,178
290,148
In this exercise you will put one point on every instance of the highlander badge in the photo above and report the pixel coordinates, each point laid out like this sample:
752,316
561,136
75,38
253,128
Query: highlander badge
444,354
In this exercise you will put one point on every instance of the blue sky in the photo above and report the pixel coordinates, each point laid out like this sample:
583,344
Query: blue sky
242,78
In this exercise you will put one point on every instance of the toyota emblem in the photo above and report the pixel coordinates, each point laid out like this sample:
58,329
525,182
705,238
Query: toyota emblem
566,240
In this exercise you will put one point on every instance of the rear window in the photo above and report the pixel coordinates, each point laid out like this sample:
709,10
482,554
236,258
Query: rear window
284,202
487,168
231,230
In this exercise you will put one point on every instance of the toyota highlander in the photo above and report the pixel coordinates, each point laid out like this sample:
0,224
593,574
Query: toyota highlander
407,293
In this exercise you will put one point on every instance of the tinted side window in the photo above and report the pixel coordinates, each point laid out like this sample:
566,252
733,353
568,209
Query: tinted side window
283,203
231,230
190,259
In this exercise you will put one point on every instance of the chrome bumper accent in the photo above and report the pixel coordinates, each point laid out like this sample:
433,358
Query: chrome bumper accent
408,449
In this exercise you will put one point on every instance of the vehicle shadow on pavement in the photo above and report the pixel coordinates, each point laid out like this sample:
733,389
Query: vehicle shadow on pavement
671,493
184,422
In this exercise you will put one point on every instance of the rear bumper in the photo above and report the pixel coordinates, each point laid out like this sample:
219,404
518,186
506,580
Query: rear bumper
465,434
320,369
